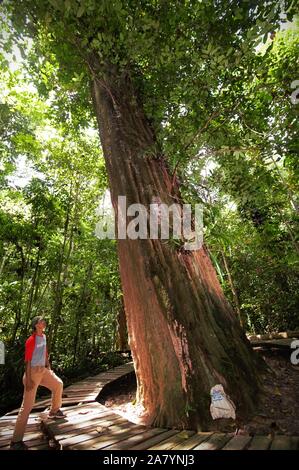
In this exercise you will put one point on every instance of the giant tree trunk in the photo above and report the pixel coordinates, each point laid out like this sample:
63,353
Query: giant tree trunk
183,333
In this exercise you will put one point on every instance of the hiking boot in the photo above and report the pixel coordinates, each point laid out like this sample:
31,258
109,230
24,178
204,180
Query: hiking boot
19,445
57,414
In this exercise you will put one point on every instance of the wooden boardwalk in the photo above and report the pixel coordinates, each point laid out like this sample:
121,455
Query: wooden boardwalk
94,427
91,426
34,437
85,391
280,341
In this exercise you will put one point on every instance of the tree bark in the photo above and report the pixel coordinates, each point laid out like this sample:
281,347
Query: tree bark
183,334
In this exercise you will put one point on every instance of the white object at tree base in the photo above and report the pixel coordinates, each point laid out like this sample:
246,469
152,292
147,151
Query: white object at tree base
221,404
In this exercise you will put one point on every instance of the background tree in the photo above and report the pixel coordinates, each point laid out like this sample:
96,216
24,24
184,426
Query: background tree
51,263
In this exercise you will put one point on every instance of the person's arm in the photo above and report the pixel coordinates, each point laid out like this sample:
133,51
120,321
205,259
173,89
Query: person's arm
29,348
48,365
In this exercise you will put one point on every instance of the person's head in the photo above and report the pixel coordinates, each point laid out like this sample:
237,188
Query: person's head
38,324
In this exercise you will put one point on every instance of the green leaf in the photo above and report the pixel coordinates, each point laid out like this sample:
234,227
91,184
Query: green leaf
81,10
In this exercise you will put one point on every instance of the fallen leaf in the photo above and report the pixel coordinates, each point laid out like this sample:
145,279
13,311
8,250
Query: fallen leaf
184,435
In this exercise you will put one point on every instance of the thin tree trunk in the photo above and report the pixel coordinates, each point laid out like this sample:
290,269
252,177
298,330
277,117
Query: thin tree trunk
19,307
4,260
233,289
121,332
58,292
32,290
67,249
184,336
80,310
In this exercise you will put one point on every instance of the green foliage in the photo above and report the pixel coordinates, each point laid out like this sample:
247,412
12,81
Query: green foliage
51,263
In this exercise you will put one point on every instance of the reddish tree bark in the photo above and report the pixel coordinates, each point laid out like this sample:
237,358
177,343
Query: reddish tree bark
183,334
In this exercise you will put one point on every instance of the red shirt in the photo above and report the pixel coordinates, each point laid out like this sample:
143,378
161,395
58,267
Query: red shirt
29,347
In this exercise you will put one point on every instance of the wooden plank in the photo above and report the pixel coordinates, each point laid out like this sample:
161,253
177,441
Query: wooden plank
30,440
72,412
284,334
33,417
10,430
90,381
216,441
193,441
80,390
69,419
115,424
173,441
37,440
84,429
95,440
29,433
76,428
114,375
80,396
135,439
42,446
154,440
39,404
87,428
273,343
75,408
56,427
11,424
83,409
56,424
260,443
84,388
285,443
108,439
75,400
237,443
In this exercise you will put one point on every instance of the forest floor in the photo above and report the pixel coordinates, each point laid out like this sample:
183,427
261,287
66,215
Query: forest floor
278,408
277,411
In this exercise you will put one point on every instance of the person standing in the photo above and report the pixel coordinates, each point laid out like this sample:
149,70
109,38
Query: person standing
37,372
